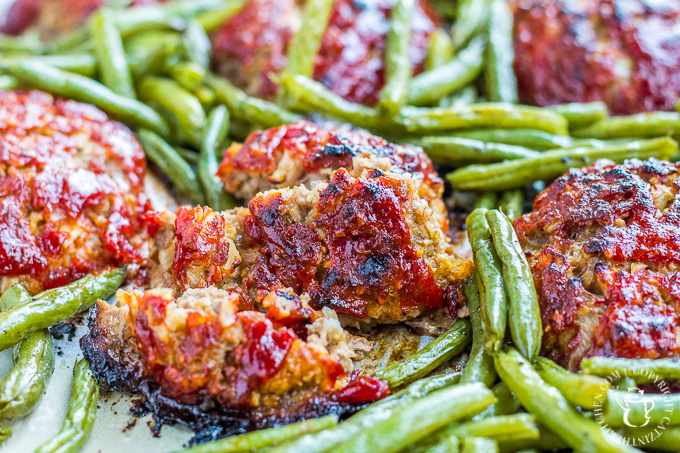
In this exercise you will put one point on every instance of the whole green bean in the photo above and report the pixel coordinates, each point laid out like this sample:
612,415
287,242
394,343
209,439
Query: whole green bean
524,313
213,19
547,441
656,439
181,175
580,390
214,135
187,154
430,86
471,16
196,43
189,75
82,64
478,445
641,370
156,58
447,445
548,405
625,383
486,200
325,440
552,164
463,151
506,404
132,20
420,364
77,87
461,98
528,138
113,67
266,437
305,44
25,43
248,108
642,125
177,105
24,385
581,114
397,59
81,413
441,49
14,296
501,428
52,306
511,202
623,408
408,423
479,367
482,115
494,304
499,74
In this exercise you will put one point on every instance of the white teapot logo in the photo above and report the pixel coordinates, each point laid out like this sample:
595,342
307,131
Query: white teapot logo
637,397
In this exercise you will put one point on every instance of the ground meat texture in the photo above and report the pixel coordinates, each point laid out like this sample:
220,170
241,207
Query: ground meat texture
603,246
71,192
306,153
251,47
49,18
202,350
623,52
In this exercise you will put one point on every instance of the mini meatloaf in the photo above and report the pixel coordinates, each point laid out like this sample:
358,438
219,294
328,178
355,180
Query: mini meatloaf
72,196
623,52
251,47
305,153
368,247
604,246
206,356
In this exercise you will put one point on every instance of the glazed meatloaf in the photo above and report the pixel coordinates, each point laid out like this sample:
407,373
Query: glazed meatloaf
623,52
604,250
72,196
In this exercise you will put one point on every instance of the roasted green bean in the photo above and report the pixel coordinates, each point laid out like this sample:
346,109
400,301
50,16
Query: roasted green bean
305,45
213,19
441,50
581,114
430,86
524,313
641,370
494,305
113,67
50,307
486,200
501,428
196,43
499,74
420,364
511,202
552,164
479,367
14,296
83,64
528,138
463,151
397,59
641,125
587,392
478,445
81,413
625,408
471,17
215,133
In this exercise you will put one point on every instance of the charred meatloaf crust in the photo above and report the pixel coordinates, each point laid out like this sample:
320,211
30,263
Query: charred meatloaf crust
623,52
72,196
603,244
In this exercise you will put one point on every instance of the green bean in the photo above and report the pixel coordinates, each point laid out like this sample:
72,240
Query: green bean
625,383
77,87
486,200
420,364
189,75
653,438
83,64
132,20
446,445
494,305
506,404
266,437
154,59
187,154
511,203
463,151
14,296
397,59
623,408
325,440
552,164
642,125
441,49
641,370
113,68
24,385
479,367
248,108
196,43
524,313
548,405
8,82
482,115
580,390
81,413
547,441
25,43
582,114
179,107
478,445
499,74
50,307
305,45
430,86
408,423
528,138
181,175
501,428
214,135
213,19
5,433
461,98
471,17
